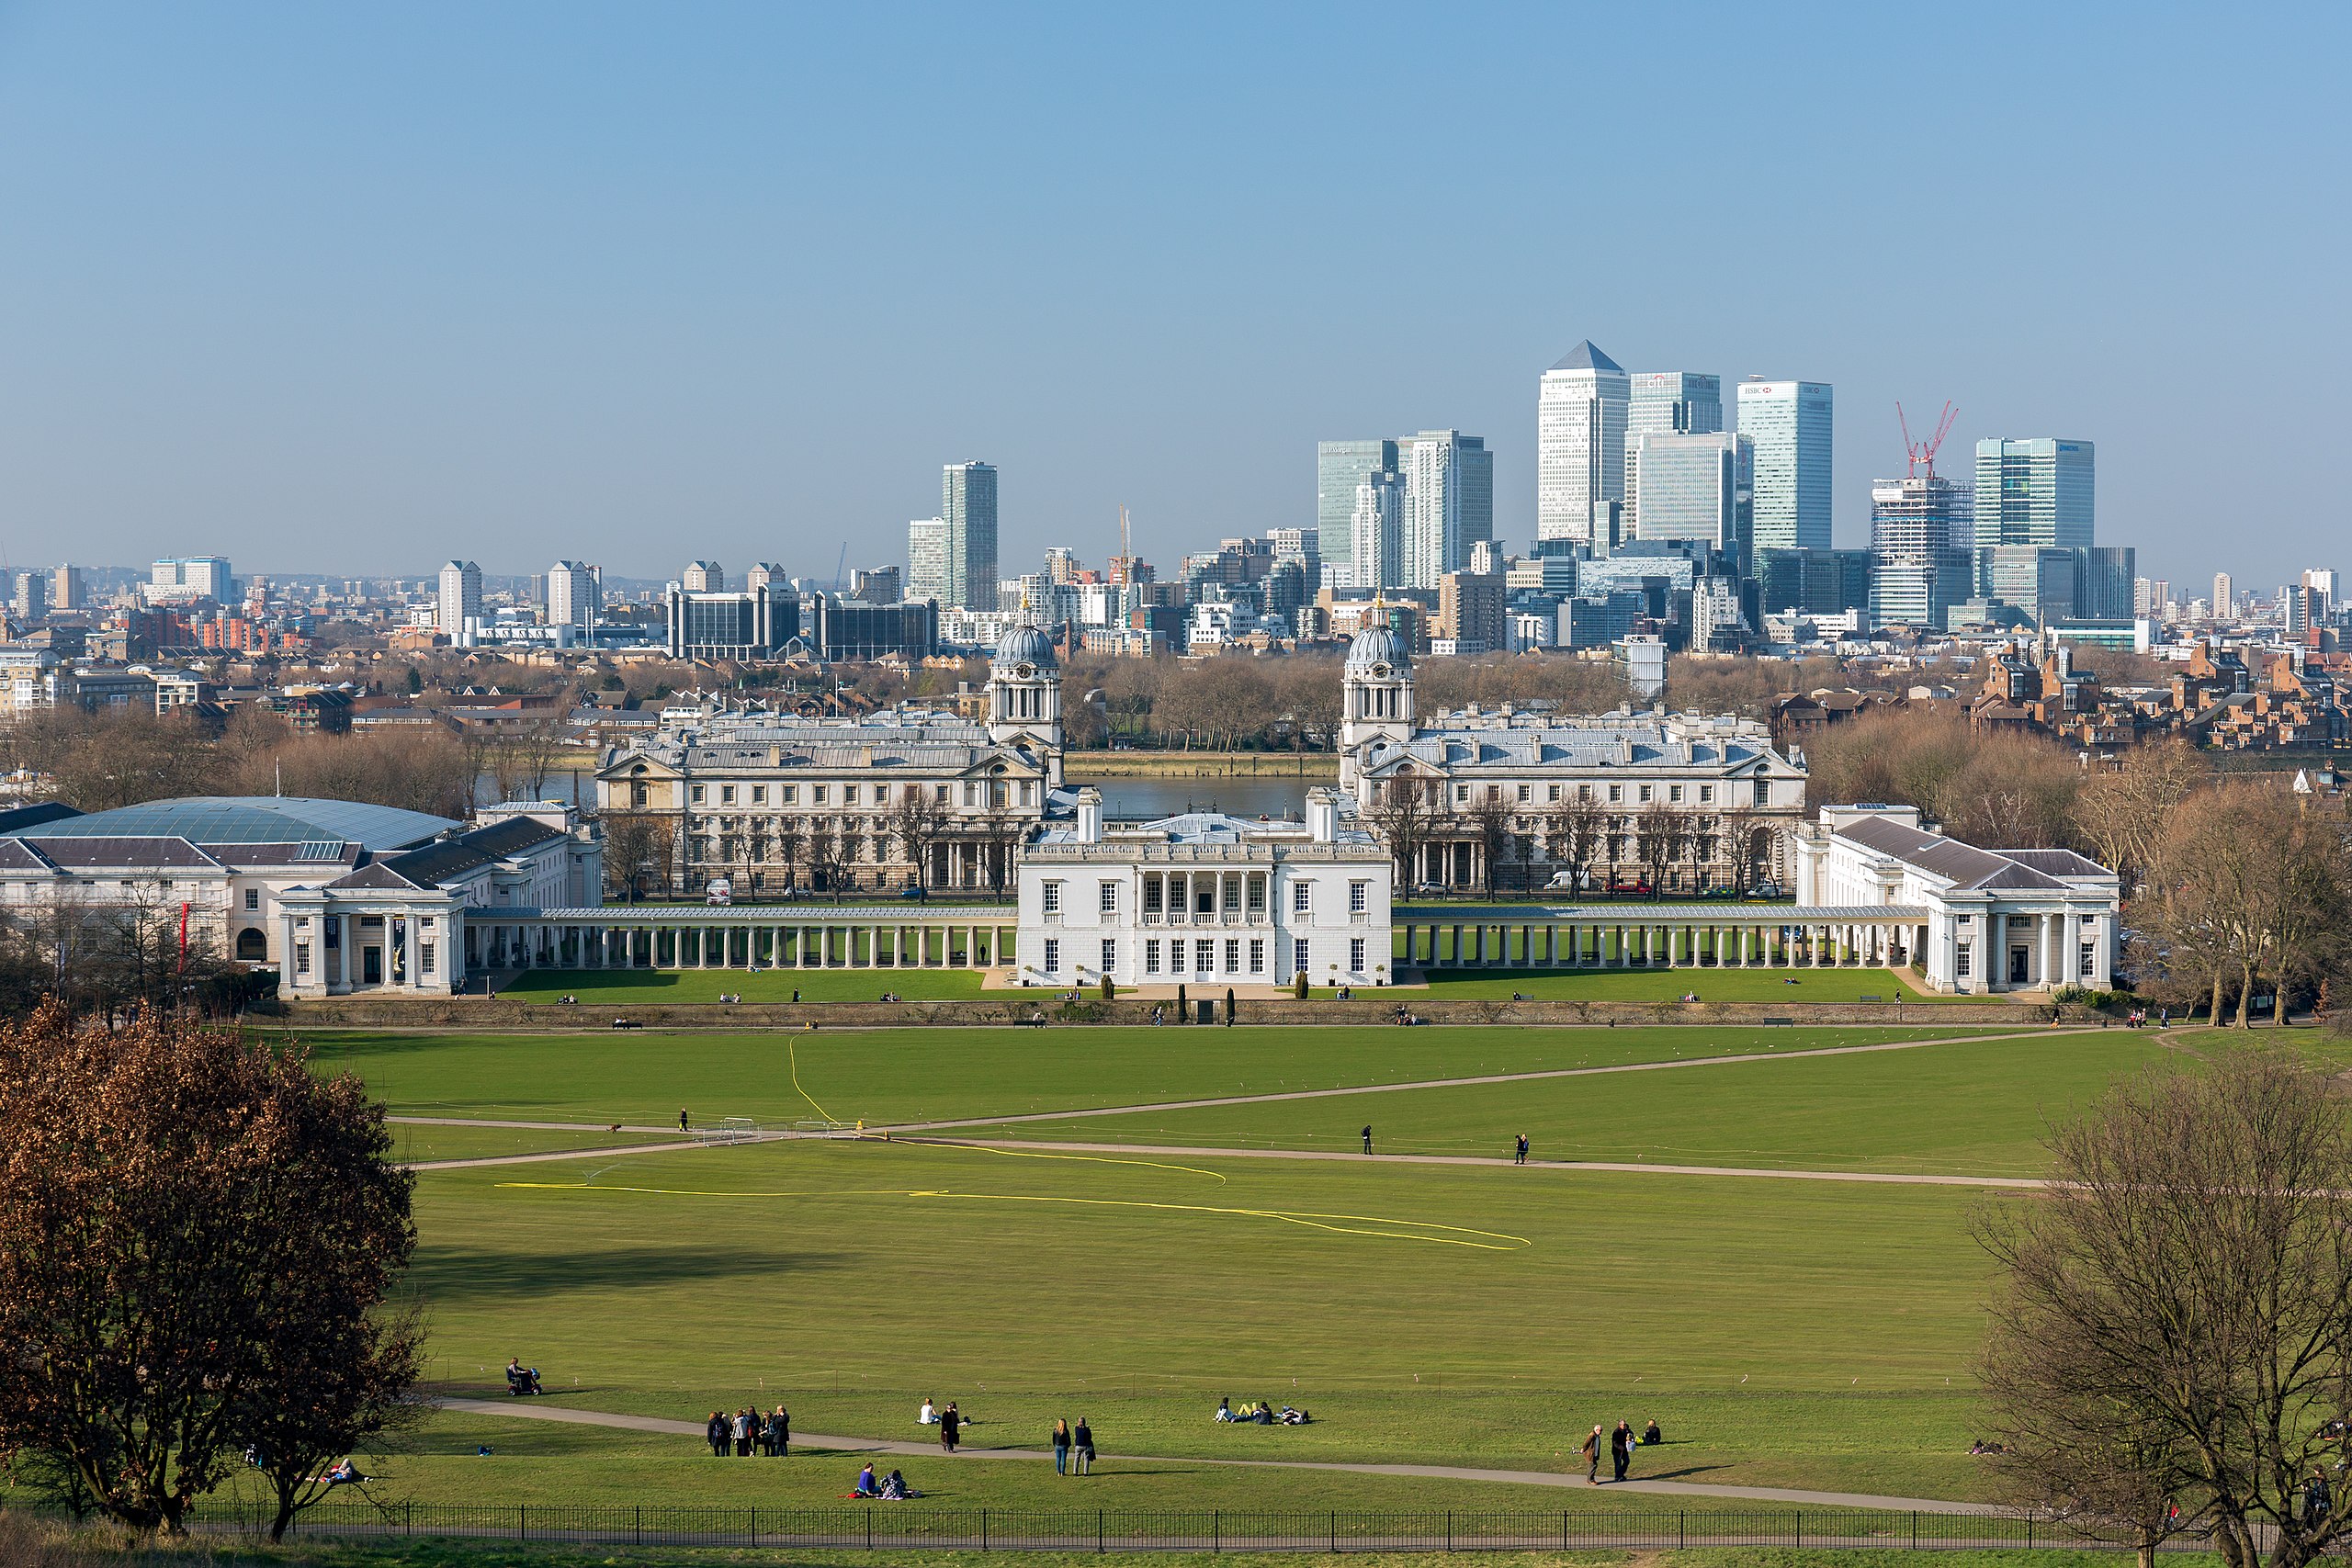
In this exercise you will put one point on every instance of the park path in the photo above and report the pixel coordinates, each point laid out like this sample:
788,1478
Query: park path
532,1410
1639,1168
1724,1061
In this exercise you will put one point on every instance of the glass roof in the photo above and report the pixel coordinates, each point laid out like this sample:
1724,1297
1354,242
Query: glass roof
251,820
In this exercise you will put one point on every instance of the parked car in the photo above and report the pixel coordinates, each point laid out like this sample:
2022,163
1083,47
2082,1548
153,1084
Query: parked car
1433,890
1568,879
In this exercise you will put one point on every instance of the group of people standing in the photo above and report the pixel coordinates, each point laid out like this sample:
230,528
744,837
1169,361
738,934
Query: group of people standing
771,1433
1073,1451
1619,1445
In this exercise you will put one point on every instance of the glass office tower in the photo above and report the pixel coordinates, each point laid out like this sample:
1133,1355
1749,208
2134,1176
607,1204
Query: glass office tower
1340,466
967,501
1580,411
1789,422
1666,403
1697,488
2034,492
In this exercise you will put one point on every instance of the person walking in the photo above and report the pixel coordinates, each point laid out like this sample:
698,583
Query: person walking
1620,1450
1593,1457
1518,1155
682,1121
1085,1436
714,1432
1367,1137
949,1420
1061,1447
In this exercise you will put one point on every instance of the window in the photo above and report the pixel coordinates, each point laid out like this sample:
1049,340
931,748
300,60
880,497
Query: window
1205,955
726,795
971,792
759,795
1151,894
301,958
792,795
2089,965
1110,954
1359,897
1053,896
1298,959
1674,793
1257,955
1204,897
1355,956
694,794
1552,792
1526,794
848,795
1616,793
1152,956
1110,898
1763,791
1959,960
1460,795
816,794
939,793
1028,792
1233,955
1645,791
1584,792
1706,793
1053,956
253,897
1302,897
1256,895
424,958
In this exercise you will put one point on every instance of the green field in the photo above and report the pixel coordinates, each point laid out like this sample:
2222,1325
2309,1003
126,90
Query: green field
1814,1334
1795,987
615,987
643,1077
413,1142
1975,1109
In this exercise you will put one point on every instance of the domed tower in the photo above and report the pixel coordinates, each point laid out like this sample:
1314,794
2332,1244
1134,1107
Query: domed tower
1025,696
1377,691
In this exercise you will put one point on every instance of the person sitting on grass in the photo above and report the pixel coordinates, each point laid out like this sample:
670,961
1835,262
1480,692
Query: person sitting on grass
896,1489
1651,1436
865,1487
344,1474
1224,1410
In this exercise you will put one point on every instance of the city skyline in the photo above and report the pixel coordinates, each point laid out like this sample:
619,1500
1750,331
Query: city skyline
282,315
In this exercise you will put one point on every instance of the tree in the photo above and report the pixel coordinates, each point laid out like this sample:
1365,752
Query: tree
635,843
2246,886
2173,1322
188,1219
2122,813
1658,835
1404,818
920,820
1490,830
1574,829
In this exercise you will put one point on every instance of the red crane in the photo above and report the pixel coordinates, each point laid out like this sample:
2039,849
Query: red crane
1923,453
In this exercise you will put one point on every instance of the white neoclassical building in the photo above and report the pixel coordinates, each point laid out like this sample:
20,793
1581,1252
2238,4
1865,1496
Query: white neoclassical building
1205,899
1982,920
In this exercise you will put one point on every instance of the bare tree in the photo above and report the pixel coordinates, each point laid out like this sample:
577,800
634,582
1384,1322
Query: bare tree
919,820
2122,813
1658,835
637,844
1573,829
1489,817
2173,1324
1404,818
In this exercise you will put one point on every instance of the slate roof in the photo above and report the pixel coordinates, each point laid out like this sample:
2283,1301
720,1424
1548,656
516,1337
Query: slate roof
1585,356
126,853
1581,746
251,820
437,862
1966,866
18,817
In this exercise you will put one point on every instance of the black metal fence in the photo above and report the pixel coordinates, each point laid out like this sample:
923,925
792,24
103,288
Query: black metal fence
917,1525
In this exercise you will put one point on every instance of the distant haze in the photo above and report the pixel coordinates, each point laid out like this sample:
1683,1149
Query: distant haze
354,288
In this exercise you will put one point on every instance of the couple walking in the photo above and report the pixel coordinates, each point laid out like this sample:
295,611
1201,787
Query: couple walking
1620,1448
1073,1451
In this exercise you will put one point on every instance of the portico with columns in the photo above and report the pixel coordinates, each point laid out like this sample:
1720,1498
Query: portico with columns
877,937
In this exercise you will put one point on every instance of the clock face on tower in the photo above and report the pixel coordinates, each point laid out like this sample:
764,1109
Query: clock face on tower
1380,672
1024,672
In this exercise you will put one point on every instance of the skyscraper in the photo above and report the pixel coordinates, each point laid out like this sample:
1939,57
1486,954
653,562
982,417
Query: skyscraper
968,500
31,598
1695,487
2225,598
66,592
1449,502
1376,548
574,595
1666,403
459,602
1339,467
1921,528
1581,405
927,558
1789,422
2034,492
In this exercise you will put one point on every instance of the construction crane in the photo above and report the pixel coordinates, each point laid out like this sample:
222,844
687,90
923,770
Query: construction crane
1923,453
842,566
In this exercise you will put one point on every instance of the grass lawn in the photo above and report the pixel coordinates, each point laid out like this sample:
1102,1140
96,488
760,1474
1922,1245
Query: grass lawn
612,988
1795,987
1979,1107
1794,1333
413,1142
644,1077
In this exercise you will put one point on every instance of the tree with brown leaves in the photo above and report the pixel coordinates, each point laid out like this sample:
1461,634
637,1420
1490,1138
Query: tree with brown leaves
2173,1325
198,1239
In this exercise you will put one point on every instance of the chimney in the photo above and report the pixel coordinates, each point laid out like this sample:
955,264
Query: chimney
1323,815
1089,815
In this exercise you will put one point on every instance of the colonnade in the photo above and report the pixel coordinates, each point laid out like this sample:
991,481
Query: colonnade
1642,942
747,939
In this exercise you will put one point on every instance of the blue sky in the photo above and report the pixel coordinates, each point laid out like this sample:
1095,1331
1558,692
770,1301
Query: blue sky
359,286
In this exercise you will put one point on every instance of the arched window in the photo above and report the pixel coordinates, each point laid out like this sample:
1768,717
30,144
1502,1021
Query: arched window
252,944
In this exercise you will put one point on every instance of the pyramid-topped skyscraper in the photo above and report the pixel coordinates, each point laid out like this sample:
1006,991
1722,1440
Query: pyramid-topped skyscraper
1580,446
